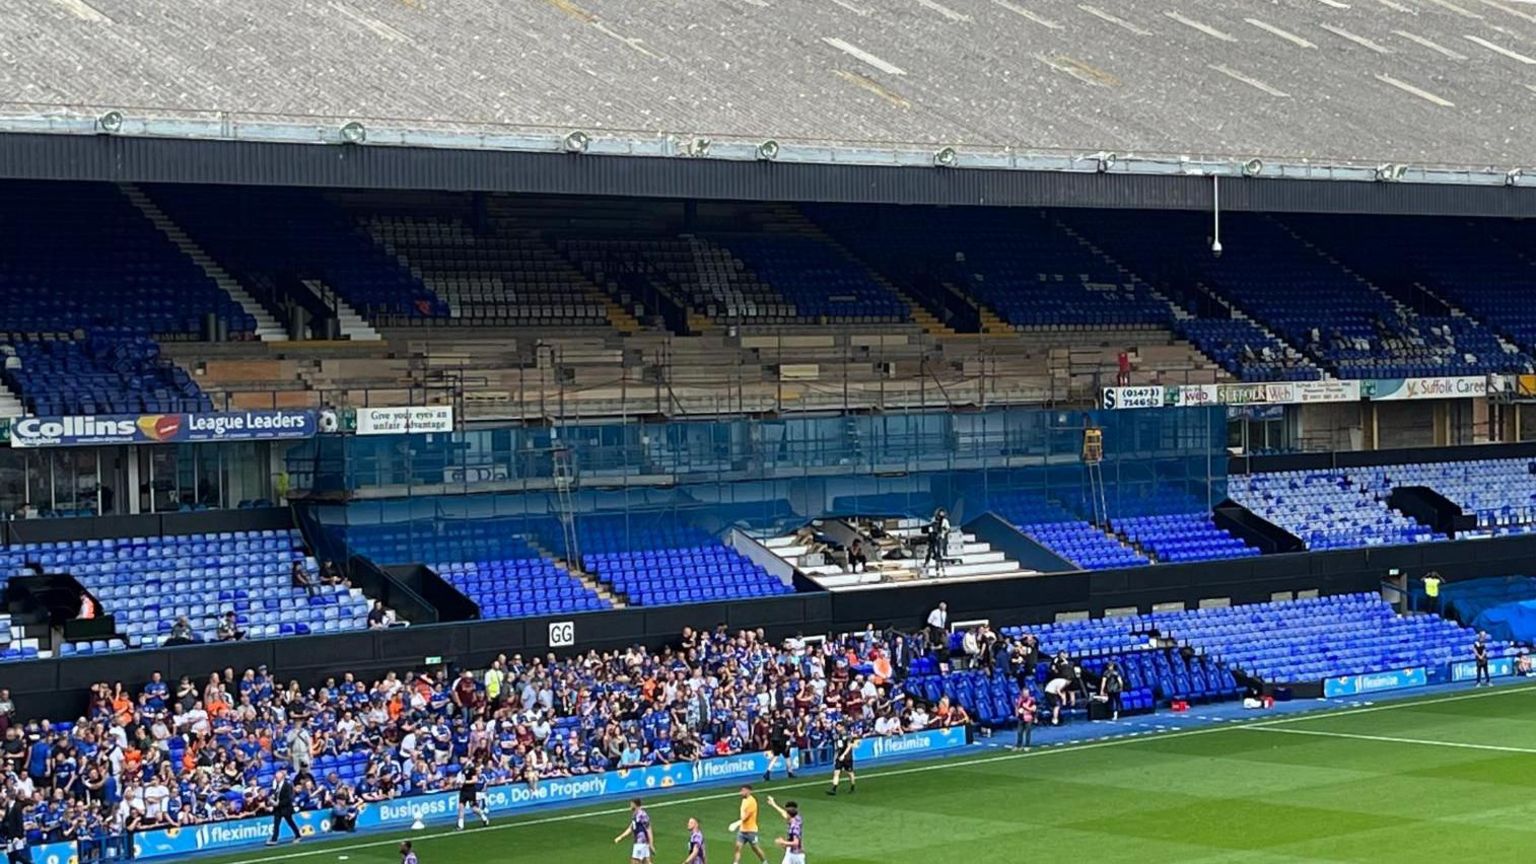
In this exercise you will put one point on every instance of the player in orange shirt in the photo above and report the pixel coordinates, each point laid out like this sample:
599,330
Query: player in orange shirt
746,827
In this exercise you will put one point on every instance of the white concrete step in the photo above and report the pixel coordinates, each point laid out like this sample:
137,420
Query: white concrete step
267,328
352,325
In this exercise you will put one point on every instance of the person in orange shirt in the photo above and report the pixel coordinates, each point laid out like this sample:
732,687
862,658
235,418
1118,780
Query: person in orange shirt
882,665
746,827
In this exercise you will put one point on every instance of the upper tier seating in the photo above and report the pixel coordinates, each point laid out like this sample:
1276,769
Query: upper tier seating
81,256
1312,302
1027,270
98,375
818,280
1327,509
265,236
1484,267
1285,641
1245,350
1500,493
148,582
498,277
699,273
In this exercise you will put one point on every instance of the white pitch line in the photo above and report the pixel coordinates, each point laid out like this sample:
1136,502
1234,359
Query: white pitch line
1500,49
1388,739
1433,46
1465,13
1398,7
1114,19
1251,82
947,12
1283,34
855,9
863,56
83,10
1362,41
1508,10
1334,3
1415,91
1130,738
1203,28
1027,14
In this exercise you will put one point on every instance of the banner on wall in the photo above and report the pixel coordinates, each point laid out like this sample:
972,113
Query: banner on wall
99,429
402,812
418,420
56,853
1310,392
1375,682
1132,397
1456,387
1498,667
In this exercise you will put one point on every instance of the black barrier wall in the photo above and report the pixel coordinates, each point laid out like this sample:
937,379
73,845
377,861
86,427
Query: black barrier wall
56,688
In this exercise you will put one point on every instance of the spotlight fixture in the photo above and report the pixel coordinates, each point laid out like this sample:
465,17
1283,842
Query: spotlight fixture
1253,167
1512,176
946,158
768,150
110,122
577,142
1390,172
699,147
354,133
1106,161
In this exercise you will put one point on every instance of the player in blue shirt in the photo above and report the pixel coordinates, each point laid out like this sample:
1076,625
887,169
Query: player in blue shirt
695,843
640,829
793,842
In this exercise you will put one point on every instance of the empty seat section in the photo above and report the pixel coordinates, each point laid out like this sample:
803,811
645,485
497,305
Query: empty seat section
149,582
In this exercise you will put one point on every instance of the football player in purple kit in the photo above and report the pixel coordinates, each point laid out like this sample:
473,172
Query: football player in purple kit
640,829
695,844
793,842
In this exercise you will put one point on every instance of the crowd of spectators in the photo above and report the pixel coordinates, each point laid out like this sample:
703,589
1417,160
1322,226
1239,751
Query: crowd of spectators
188,752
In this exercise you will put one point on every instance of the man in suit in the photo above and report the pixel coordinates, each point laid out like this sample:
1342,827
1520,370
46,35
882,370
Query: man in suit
13,827
282,806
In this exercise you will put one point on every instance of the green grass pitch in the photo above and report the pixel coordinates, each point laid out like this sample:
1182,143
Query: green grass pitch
1450,777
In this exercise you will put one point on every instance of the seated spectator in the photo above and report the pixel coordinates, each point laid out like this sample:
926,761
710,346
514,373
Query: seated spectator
229,630
181,632
301,579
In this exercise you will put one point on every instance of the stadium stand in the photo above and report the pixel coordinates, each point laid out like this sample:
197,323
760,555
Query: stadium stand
1327,509
490,561
98,374
149,583
652,564
274,241
1284,641
1499,493
1058,530
1305,298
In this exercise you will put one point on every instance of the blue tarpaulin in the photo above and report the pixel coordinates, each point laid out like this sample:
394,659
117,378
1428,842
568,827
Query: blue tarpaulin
1504,607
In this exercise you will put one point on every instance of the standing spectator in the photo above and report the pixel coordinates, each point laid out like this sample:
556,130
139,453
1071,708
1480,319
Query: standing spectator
282,807
1111,686
300,750
1432,583
465,695
7,710
1480,655
1123,362
1024,711
938,626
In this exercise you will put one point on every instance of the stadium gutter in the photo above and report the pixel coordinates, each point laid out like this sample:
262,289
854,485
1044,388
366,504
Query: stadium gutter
121,147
